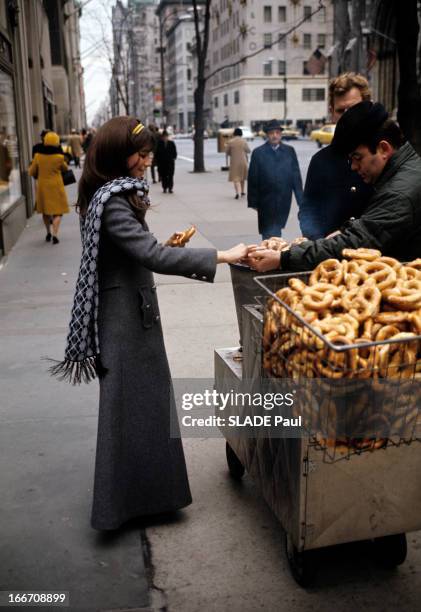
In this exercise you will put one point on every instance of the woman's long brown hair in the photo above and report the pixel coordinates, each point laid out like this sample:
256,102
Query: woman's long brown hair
106,158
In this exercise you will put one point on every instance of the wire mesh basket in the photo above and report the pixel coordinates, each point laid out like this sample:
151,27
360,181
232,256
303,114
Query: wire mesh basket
354,395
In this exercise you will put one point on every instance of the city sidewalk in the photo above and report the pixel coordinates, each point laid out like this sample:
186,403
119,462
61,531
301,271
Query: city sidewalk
48,428
225,551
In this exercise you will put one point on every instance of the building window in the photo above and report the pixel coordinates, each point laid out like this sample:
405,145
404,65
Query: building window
10,185
216,102
282,67
282,41
267,14
282,14
307,13
267,68
274,95
321,41
313,94
305,69
226,99
267,40
307,41
322,15
236,97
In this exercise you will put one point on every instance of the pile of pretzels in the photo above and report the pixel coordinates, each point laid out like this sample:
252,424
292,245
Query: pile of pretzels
363,299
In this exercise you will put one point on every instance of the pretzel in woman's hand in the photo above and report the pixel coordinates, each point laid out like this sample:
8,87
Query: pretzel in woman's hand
179,239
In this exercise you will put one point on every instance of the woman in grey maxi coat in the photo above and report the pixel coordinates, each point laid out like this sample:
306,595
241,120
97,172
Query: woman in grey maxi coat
140,470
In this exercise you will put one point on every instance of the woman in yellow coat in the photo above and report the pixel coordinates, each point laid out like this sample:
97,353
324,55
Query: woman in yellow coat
51,197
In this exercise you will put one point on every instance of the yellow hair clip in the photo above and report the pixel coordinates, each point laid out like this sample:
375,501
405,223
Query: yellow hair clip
138,128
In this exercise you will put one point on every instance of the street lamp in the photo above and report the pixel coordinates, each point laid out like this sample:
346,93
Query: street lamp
181,17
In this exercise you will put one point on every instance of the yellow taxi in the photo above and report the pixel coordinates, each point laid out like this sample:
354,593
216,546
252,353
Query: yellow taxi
323,135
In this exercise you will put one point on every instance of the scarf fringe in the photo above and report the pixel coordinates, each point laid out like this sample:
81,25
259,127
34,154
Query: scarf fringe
77,372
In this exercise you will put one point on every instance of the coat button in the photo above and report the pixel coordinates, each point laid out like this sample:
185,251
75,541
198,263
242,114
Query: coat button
194,276
353,189
204,278
148,306
156,319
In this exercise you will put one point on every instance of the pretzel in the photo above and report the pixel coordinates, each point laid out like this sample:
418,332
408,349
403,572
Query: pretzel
179,239
367,254
297,285
329,271
320,296
406,296
390,261
275,244
363,302
384,275
407,273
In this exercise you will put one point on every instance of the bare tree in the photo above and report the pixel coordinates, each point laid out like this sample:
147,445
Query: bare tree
202,43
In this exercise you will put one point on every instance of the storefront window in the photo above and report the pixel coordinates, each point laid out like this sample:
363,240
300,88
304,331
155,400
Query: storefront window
10,185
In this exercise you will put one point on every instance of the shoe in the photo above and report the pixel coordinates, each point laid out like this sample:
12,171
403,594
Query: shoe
236,196
243,194
165,191
48,237
171,191
55,240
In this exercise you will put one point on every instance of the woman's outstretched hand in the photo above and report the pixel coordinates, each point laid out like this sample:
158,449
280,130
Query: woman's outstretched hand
234,255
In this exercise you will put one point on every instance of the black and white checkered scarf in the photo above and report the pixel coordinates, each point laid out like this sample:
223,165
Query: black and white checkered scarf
82,356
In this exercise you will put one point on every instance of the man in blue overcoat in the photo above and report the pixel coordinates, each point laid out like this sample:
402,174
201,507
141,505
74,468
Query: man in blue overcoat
273,175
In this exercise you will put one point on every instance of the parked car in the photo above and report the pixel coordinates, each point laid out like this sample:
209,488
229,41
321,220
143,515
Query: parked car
290,133
323,135
247,133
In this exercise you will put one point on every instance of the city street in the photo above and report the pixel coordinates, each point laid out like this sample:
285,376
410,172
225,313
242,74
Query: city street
224,552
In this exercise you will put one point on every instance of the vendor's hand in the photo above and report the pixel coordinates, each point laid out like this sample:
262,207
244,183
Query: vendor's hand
333,234
234,255
264,260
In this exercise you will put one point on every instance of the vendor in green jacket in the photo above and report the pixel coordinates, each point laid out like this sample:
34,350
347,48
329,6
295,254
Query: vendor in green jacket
391,222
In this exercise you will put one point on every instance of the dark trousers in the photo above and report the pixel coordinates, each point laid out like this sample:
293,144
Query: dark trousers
77,161
153,174
167,180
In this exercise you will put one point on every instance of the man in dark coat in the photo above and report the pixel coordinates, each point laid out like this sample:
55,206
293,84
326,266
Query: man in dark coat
165,156
273,175
333,192
391,222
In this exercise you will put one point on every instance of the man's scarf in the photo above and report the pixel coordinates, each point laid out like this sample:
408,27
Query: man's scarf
82,356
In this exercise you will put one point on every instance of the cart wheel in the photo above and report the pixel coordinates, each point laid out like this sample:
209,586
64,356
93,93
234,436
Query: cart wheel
390,551
301,564
236,468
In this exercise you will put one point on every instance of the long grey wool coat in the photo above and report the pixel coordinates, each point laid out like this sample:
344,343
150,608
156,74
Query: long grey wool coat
139,469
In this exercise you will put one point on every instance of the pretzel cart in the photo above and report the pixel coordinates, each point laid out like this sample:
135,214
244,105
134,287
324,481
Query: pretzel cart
355,474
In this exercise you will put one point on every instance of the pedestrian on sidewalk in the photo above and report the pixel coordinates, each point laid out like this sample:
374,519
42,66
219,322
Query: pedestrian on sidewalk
152,128
238,150
166,154
75,143
333,192
51,197
115,330
273,175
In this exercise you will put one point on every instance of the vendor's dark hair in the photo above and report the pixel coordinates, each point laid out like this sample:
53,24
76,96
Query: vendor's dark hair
389,131
106,158
238,132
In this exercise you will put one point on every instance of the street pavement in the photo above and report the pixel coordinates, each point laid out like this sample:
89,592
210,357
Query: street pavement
224,552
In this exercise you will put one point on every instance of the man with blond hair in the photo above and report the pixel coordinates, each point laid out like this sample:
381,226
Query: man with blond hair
333,192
